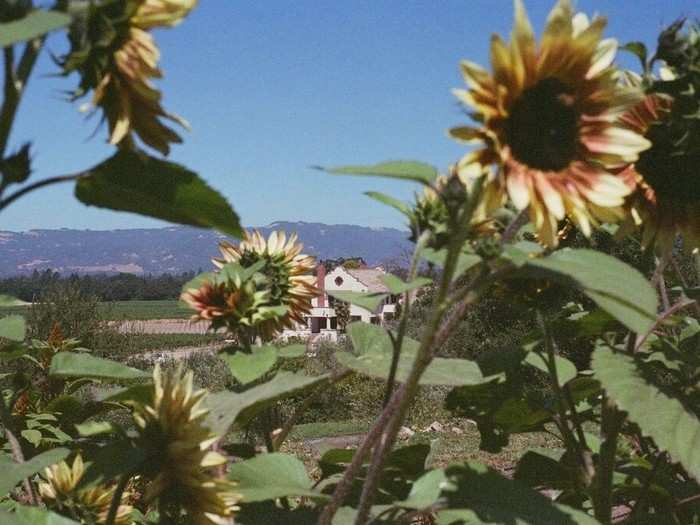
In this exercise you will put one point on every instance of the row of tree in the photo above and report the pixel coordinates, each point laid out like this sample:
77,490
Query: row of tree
119,287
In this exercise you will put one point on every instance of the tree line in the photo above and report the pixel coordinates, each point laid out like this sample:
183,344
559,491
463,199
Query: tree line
117,287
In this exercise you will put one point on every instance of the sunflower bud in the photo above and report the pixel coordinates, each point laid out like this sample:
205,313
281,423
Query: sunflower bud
60,492
665,178
117,58
177,443
233,299
284,276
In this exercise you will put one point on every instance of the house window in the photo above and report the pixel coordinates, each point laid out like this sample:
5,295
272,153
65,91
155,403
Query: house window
338,281
355,318
334,323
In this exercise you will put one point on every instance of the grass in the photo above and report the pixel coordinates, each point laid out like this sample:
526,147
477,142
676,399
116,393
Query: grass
127,310
328,429
145,310
448,447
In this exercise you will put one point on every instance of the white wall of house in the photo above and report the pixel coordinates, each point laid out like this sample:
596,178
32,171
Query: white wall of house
322,318
340,279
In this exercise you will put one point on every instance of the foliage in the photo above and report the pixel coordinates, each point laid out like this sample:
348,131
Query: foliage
65,305
595,345
120,287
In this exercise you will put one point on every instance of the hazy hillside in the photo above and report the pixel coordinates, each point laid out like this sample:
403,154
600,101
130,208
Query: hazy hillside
176,249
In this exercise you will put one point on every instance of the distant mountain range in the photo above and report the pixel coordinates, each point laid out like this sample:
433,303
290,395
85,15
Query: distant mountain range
177,249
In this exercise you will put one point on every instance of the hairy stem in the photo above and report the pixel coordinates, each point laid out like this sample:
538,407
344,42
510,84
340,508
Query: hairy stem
4,203
397,343
611,422
16,448
641,503
15,83
639,340
577,446
342,489
684,283
513,228
117,498
405,396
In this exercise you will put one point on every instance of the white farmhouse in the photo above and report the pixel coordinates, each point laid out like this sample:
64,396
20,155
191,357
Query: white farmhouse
322,320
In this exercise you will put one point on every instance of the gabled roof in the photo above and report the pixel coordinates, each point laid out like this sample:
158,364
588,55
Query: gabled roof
370,277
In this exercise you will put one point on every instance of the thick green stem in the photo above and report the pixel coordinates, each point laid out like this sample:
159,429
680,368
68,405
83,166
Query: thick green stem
641,504
577,446
342,489
410,388
396,410
403,324
4,203
611,422
684,282
15,83
117,499
16,448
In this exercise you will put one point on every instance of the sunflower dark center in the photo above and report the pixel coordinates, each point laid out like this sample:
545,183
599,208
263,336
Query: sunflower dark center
542,127
672,175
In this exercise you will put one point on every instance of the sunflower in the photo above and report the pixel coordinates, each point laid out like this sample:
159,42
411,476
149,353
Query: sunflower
430,214
117,59
548,122
439,203
89,505
666,200
227,301
289,274
164,13
177,444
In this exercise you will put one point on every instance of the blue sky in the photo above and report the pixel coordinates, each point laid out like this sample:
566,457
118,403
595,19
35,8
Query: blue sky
271,88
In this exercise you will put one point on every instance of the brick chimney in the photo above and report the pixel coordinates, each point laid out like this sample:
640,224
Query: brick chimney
321,284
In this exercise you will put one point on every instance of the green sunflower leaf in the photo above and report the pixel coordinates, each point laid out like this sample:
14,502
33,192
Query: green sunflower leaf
619,289
390,201
566,370
402,169
34,516
397,286
373,356
425,491
272,476
476,494
12,473
34,24
465,262
368,301
138,183
663,418
69,364
246,368
227,408
639,50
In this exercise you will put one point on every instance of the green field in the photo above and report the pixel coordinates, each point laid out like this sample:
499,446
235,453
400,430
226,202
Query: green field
143,310
128,310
